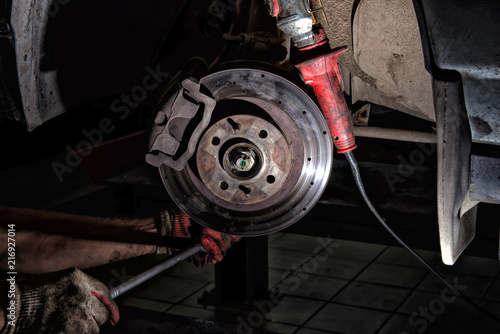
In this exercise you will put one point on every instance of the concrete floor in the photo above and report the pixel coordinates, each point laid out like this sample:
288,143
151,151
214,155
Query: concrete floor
348,287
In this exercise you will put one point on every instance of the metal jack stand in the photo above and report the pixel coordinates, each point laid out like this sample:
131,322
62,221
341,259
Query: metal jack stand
242,279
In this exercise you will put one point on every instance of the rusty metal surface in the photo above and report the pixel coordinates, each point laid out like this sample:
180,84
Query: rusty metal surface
464,37
274,102
364,81
296,149
258,174
387,47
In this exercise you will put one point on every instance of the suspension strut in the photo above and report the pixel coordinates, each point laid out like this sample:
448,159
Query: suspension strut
321,71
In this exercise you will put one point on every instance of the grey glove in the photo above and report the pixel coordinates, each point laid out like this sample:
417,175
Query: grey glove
67,301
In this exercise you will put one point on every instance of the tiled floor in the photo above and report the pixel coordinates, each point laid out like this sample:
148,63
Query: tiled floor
337,286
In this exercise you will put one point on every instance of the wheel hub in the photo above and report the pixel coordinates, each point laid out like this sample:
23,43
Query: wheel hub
262,162
243,159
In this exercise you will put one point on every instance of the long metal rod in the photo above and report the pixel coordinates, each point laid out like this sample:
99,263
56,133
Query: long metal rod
147,274
395,134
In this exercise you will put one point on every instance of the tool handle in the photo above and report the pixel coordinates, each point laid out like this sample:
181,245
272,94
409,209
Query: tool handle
147,274
322,73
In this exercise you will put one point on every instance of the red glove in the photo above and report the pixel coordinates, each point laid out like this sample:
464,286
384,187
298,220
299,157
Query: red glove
176,224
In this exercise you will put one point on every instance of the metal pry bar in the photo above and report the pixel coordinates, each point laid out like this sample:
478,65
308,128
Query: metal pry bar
147,274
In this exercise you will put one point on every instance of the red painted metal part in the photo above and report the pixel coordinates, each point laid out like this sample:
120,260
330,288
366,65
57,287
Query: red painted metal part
323,74
274,8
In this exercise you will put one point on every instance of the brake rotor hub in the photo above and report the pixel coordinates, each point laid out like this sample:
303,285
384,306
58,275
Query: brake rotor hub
262,162
244,159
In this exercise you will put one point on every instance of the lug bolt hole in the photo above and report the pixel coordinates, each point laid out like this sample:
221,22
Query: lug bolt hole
245,190
236,127
263,134
224,185
271,179
215,141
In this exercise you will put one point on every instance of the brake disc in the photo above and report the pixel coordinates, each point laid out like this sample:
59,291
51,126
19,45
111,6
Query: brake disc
262,162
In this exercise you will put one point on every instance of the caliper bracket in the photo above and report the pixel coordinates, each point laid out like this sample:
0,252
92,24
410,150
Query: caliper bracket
178,126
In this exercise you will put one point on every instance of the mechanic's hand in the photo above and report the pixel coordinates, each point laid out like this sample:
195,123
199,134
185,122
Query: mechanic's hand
67,301
176,224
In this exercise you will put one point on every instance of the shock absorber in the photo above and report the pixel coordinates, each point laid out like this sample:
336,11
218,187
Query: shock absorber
321,72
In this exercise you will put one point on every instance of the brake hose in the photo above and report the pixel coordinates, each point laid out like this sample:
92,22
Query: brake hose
359,183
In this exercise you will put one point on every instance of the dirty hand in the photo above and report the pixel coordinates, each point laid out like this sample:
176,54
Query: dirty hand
66,301
176,224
